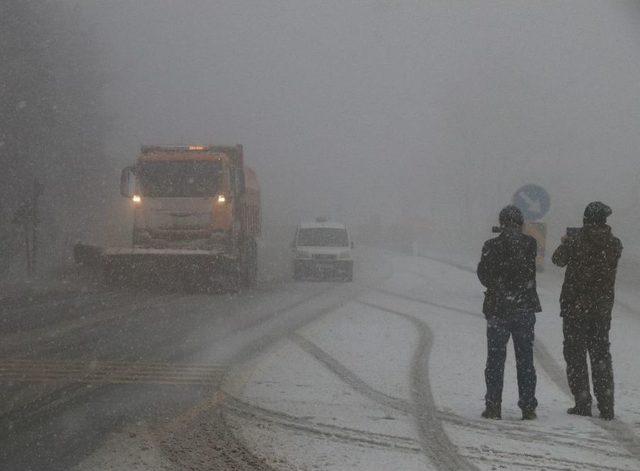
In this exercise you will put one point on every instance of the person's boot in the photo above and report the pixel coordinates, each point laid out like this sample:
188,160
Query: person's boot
580,409
529,414
606,412
492,411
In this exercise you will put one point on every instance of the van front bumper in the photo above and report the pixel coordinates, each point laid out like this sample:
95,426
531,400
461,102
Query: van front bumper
310,267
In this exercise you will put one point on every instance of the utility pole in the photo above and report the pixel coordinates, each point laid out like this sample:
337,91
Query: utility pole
27,216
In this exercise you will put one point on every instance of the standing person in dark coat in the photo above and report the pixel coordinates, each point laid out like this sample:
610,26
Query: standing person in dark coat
508,270
591,258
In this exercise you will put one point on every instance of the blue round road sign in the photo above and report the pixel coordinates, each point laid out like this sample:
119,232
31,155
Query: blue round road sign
533,201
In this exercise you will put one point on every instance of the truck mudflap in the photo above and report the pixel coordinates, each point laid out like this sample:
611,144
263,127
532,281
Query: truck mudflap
188,268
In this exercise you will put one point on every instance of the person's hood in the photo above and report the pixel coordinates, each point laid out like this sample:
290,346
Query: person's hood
511,233
597,234
513,237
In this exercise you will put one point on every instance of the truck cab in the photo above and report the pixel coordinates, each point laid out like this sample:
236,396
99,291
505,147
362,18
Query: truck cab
196,207
322,248
182,198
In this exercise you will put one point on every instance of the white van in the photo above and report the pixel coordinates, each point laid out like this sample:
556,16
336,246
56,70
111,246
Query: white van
321,249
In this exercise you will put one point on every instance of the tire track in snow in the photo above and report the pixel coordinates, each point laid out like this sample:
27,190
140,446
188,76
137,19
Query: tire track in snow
238,408
513,431
508,463
206,423
509,430
618,430
351,379
242,409
248,411
434,440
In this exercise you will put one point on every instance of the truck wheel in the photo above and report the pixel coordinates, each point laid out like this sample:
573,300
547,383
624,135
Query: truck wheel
349,275
113,277
299,273
234,276
109,276
194,282
237,280
250,265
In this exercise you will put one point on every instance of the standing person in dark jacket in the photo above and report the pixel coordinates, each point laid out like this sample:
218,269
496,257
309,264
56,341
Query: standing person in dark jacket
508,270
591,258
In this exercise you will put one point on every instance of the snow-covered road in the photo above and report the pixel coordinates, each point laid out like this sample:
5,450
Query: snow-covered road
394,380
385,373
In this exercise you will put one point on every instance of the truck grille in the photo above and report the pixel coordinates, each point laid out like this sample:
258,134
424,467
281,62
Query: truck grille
180,234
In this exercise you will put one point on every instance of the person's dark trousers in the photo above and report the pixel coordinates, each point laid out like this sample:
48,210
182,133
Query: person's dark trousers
582,336
520,326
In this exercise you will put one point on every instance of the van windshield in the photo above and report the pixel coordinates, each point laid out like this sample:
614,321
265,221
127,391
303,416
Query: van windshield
322,237
188,178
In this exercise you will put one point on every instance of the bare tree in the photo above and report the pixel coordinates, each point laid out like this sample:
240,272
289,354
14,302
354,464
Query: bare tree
52,123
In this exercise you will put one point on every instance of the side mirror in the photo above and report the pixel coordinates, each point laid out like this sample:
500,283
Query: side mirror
127,182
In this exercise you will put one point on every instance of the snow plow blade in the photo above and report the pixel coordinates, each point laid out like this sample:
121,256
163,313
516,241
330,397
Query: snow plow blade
187,268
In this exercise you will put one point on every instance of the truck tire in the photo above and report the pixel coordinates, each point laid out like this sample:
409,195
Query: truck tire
234,279
113,276
349,275
195,281
250,265
299,273
109,276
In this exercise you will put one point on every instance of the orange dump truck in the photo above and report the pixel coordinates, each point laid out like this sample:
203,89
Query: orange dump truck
196,217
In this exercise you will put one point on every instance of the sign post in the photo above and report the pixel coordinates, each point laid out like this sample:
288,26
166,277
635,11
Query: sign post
534,202
537,230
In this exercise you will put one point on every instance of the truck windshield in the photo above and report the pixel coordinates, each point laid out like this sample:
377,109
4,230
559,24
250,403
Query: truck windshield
322,237
187,178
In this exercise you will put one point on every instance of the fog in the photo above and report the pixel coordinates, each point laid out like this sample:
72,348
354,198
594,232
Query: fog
149,321
422,113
